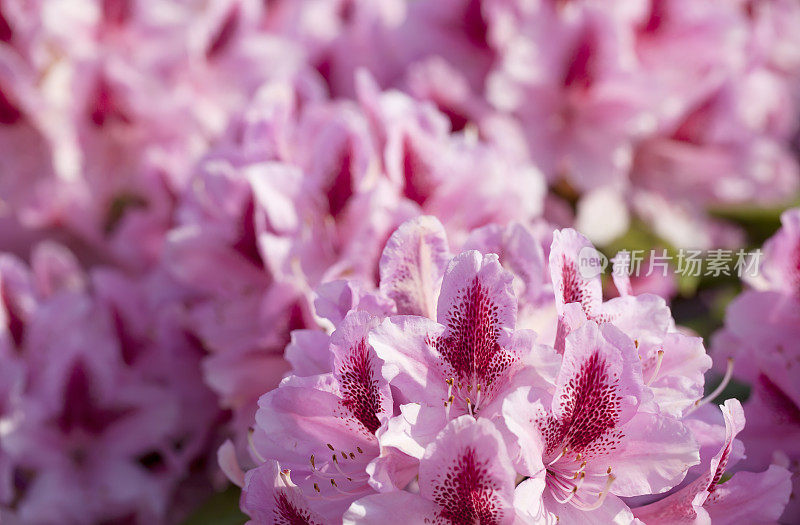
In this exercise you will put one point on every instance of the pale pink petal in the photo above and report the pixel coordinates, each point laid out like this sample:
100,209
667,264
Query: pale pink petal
522,409
468,473
308,352
599,361
751,497
612,511
406,345
653,456
393,508
678,382
334,299
568,255
229,463
412,265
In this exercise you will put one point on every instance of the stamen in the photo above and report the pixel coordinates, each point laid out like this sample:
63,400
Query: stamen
469,407
563,451
602,497
658,367
575,489
340,491
337,467
285,476
447,405
569,497
322,475
717,391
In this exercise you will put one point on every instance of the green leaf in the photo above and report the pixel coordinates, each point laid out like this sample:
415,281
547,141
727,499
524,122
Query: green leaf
220,509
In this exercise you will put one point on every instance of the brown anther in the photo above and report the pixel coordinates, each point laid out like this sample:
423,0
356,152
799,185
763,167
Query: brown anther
335,460
333,482
608,471
316,487
330,446
352,456
359,450
312,461
449,381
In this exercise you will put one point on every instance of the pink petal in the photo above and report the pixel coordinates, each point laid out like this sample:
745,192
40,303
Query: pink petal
406,345
229,463
467,472
392,508
412,265
569,284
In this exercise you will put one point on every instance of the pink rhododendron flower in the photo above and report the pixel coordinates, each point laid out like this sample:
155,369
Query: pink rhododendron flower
762,327
95,375
465,476
306,191
590,440
110,104
758,498
332,418
271,497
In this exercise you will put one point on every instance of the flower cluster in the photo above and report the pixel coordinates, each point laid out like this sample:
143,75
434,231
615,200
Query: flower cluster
304,191
103,410
198,200
660,107
762,334
460,406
